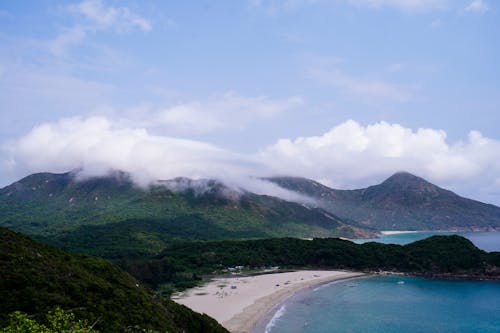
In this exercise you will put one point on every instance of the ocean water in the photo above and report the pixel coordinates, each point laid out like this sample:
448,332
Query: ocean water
488,241
391,304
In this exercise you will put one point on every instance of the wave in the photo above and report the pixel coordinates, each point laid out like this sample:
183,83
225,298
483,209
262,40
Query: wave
275,318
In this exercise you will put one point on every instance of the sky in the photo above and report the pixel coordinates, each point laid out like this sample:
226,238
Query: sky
345,92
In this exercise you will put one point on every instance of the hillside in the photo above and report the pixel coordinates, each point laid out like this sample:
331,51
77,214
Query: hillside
402,202
110,216
35,278
445,256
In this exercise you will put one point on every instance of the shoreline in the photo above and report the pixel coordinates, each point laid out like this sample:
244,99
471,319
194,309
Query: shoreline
475,230
240,303
398,232
269,317
381,233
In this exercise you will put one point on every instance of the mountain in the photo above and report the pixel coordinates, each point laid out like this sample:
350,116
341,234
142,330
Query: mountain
401,202
112,217
36,277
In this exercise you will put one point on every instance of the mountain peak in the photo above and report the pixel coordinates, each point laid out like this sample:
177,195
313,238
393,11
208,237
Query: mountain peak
406,179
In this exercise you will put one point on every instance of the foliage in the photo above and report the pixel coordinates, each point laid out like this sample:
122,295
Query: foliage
56,321
36,277
183,263
111,217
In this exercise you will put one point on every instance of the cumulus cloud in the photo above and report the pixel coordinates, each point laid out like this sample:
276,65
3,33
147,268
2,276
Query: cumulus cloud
347,156
351,155
96,146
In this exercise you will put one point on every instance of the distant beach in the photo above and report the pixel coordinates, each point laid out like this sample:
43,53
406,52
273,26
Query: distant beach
485,240
397,232
238,303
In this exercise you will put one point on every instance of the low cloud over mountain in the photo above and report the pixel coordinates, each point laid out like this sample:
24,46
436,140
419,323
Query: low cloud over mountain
347,156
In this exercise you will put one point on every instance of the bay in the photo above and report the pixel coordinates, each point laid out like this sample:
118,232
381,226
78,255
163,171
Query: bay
392,304
487,241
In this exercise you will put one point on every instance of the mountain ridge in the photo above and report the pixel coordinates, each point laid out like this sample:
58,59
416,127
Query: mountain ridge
113,213
401,202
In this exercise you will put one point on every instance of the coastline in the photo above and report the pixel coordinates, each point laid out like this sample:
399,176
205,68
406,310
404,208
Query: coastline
452,230
397,232
239,303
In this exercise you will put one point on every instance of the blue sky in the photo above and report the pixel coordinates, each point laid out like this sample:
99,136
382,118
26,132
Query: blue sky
342,91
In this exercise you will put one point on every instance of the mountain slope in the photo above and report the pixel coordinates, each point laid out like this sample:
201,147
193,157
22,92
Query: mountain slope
110,215
402,202
35,278
451,256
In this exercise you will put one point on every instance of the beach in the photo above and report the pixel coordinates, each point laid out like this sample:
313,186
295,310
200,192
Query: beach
397,232
238,303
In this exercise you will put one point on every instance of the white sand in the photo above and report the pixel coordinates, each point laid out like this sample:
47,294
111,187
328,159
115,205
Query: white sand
239,309
397,232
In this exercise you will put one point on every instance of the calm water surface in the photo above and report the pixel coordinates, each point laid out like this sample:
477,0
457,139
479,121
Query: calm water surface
392,305
395,304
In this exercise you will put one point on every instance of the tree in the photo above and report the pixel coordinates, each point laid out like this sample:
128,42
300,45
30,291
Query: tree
56,321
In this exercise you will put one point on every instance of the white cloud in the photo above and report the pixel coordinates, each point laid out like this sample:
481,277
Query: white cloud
360,86
349,155
106,16
97,145
226,111
98,17
478,6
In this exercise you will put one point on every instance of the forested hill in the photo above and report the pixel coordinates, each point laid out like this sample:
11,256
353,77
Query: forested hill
111,211
437,256
402,202
34,278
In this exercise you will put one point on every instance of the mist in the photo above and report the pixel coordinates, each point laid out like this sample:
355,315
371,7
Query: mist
349,155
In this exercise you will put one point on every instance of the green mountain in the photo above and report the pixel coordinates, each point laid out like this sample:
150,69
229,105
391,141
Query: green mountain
36,277
112,217
402,202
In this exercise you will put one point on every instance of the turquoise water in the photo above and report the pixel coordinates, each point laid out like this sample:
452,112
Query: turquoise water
392,304
488,241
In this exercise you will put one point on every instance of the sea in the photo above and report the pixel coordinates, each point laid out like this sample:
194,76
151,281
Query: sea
487,241
394,304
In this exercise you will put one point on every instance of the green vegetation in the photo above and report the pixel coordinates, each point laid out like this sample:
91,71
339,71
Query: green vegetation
170,240
182,263
56,321
111,217
36,277
402,202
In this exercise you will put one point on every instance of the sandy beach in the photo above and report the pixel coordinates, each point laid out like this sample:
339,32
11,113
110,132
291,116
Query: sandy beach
238,303
397,232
